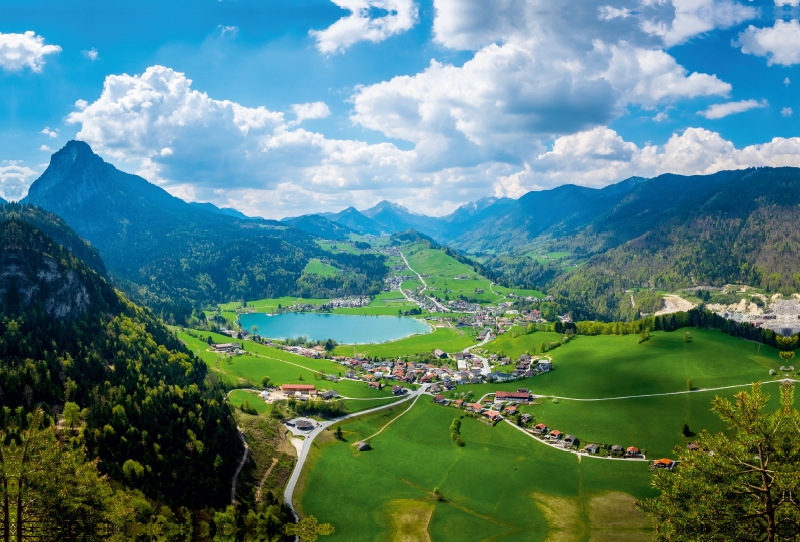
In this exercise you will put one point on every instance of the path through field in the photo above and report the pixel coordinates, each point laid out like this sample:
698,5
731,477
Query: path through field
303,453
424,285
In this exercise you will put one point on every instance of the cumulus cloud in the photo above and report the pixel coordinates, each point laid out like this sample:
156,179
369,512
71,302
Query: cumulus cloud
787,112
49,133
779,43
158,125
694,17
310,111
91,54
15,180
718,111
360,25
647,77
601,156
20,51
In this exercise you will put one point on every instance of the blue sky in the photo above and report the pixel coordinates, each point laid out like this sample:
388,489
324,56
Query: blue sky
281,108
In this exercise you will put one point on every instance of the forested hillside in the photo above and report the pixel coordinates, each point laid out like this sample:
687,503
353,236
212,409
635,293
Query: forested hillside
174,256
672,232
147,411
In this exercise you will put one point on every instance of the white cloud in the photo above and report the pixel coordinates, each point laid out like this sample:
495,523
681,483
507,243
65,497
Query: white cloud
787,81
15,180
787,2
600,156
20,51
157,124
50,133
45,148
228,30
91,54
718,111
608,13
787,112
400,16
310,111
647,77
695,17
81,104
779,43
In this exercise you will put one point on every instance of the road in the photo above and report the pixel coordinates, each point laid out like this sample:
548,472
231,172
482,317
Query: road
241,465
486,369
424,285
303,455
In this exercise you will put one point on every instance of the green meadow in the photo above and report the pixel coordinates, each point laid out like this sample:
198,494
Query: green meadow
318,267
281,367
651,423
444,338
614,365
514,347
237,397
502,485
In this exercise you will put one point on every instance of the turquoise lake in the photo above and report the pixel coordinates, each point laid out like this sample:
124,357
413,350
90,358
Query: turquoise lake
343,328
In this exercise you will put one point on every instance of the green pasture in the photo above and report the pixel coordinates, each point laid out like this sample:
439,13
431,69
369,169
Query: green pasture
358,406
446,339
513,347
237,397
281,367
652,423
318,267
338,247
518,291
437,262
614,365
502,485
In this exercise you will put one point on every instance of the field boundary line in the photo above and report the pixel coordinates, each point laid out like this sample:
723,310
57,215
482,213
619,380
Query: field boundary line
390,422
698,390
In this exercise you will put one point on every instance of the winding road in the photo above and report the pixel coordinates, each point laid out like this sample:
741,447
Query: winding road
424,285
288,494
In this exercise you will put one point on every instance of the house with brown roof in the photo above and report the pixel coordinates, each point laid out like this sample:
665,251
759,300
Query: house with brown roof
668,464
540,428
632,451
512,396
302,388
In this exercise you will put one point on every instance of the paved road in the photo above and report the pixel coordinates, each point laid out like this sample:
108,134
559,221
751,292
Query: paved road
303,455
486,369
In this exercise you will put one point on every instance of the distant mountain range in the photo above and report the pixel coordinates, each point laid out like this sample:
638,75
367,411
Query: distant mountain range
176,256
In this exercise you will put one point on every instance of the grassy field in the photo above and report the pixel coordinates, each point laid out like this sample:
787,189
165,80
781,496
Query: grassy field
652,423
338,247
614,366
501,486
281,367
237,397
447,339
318,267
513,347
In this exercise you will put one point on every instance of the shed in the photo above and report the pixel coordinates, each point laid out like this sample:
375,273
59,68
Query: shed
363,446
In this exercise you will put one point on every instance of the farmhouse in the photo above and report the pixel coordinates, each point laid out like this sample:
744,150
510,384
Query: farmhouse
439,399
331,394
525,417
616,449
632,451
668,464
363,446
545,365
302,388
493,415
512,396
540,428
569,440
226,347
439,354
556,434
591,448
